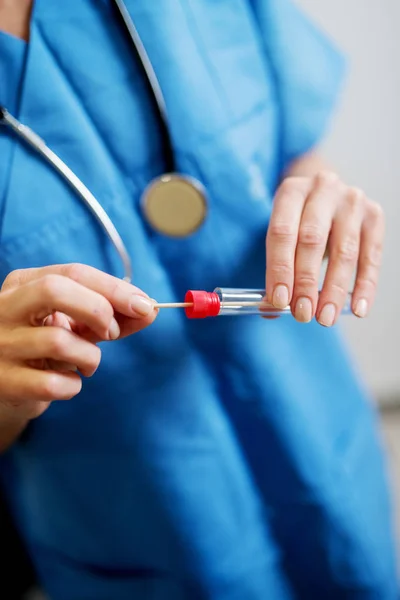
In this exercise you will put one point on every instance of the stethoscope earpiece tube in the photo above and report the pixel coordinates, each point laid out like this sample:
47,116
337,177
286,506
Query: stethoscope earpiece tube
39,146
173,204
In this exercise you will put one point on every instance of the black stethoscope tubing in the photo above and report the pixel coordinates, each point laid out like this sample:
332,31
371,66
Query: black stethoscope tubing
156,94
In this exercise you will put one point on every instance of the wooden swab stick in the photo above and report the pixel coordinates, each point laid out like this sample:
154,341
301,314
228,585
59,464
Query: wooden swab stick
174,305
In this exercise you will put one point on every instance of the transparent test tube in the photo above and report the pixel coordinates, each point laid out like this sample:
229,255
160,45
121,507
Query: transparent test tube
250,302
200,304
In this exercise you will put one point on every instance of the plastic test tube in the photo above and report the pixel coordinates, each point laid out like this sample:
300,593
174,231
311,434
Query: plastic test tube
200,304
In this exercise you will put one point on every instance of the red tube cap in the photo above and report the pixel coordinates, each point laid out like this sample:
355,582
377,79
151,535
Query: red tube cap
205,304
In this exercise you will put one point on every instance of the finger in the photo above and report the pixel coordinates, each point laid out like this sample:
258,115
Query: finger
52,343
314,231
58,319
128,326
50,365
344,247
124,297
51,293
282,239
57,365
22,385
372,234
22,408
48,386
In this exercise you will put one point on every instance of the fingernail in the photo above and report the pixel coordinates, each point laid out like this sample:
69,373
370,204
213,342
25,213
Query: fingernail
114,330
327,316
280,298
49,321
303,310
141,305
361,308
154,302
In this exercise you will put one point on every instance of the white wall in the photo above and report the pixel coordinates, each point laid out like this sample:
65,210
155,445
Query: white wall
364,147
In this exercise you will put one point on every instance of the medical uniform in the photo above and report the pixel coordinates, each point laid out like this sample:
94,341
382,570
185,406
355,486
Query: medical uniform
226,459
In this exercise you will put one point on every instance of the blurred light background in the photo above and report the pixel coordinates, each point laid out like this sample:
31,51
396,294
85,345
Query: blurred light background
363,145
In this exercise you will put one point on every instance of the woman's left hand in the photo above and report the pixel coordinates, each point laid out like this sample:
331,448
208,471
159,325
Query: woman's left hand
312,215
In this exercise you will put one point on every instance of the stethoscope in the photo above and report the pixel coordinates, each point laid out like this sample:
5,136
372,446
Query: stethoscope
173,204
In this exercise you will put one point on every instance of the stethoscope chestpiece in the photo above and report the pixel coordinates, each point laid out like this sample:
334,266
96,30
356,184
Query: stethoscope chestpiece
175,205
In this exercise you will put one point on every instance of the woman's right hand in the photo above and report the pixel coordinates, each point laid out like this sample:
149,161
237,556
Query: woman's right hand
80,306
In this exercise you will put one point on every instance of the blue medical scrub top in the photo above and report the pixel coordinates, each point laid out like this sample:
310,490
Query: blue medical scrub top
229,459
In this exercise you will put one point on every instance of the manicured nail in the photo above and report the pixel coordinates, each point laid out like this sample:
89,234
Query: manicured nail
49,321
361,309
327,316
154,301
141,305
280,298
303,310
114,330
